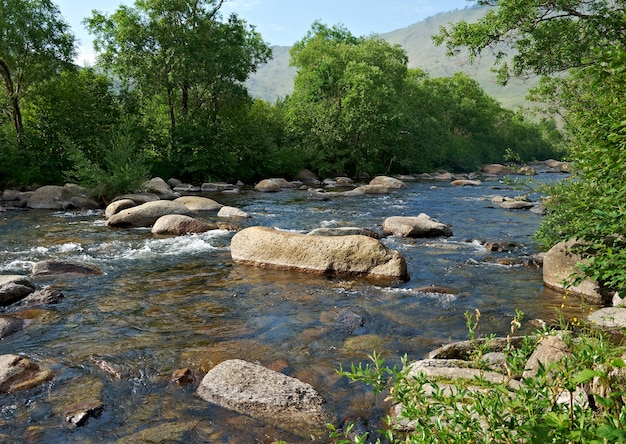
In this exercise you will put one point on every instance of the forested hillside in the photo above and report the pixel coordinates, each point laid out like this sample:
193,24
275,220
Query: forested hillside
275,78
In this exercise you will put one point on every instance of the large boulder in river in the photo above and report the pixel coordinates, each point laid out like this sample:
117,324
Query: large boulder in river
199,203
352,255
117,206
560,264
416,226
160,187
54,197
146,214
179,224
14,288
387,182
266,395
496,169
20,373
267,186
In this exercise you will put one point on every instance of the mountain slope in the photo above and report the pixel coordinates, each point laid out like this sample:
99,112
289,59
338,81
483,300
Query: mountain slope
275,79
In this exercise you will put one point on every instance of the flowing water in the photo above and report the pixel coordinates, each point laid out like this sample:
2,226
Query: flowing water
172,302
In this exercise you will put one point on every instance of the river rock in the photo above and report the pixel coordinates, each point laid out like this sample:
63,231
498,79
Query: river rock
516,205
269,396
416,226
344,231
465,183
20,373
550,349
54,197
117,206
14,288
609,318
138,198
146,214
367,189
227,211
352,255
307,176
214,187
387,182
496,169
199,203
179,224
43,296
10,325
559,264
267,186
64,268
159,187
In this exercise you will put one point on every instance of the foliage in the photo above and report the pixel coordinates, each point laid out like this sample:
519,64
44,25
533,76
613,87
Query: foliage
35,43
452,412
187,63
123,170
589,98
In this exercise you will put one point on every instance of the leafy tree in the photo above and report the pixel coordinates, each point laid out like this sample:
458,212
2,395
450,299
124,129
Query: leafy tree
588,39
184,59
343,109
35,43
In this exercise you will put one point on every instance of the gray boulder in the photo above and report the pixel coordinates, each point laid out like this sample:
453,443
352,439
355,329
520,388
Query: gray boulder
232,212
267,186
269,396
178,224
387,182
609,318
10,325
344,231
560,264
161,188
465,183
199,203
351,255
54,197
496,169
416,226
14,288
146,214
117,206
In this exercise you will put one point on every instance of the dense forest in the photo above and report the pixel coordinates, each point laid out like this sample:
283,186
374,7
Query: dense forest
167,98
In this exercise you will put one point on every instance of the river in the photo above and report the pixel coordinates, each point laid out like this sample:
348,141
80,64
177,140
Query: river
172,302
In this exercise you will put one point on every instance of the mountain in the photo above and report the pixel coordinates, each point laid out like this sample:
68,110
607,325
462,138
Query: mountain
275,79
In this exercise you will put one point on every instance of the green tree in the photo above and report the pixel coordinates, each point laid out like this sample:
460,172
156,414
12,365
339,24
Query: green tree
185,60
583,42
343,112
35,44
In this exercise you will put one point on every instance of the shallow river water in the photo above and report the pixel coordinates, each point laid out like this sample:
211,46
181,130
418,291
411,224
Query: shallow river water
172,302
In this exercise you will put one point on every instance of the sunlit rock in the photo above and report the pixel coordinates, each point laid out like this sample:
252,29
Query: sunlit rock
199,203
609,318
560,266
416,226
179,224
352,255
267,186
264,394
117,206
146,214
233,212
20,373
14,288
387,182
368,189
496,169
343,231
516,205
465,183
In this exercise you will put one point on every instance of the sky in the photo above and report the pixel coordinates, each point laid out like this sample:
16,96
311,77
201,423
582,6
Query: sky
283,22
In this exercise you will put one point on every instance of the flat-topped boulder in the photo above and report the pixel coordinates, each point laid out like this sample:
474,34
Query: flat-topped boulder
387,182
266,395
179,224
416,226
465,183
352,255
146,214
496,169
64,268
199,203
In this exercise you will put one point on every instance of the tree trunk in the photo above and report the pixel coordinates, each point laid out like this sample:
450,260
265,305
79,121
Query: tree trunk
16,114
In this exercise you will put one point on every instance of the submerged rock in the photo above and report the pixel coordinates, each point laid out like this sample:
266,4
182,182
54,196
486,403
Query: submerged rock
20,373
63,268
264,394
352,255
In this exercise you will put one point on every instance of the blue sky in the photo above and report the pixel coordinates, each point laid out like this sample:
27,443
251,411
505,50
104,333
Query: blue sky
283,22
